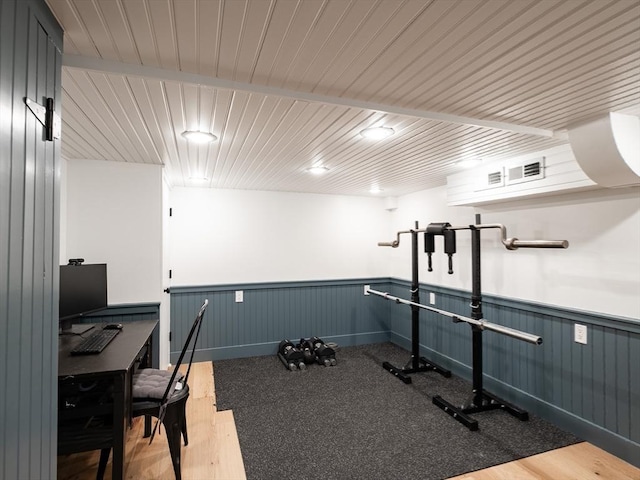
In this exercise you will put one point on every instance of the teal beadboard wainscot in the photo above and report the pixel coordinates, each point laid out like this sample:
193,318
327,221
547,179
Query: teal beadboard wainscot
591,390
130,312
336,311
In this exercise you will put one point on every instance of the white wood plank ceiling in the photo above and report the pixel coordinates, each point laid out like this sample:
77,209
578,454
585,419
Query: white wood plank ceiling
288,84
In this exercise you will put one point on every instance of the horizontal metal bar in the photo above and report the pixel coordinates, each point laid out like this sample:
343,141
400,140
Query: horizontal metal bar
396,242
514,243
482,324
539,243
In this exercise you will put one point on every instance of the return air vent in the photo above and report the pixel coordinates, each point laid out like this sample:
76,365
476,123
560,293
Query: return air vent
525,172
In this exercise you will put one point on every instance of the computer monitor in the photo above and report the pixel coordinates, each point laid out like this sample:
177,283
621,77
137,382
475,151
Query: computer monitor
83,290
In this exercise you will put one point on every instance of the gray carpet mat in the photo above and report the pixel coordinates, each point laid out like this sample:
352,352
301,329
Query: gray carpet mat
357,421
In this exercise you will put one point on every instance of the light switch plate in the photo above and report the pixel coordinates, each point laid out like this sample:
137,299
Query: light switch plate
239,296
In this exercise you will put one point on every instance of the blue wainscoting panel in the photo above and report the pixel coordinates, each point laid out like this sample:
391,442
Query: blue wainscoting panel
591,390
336,311
131,312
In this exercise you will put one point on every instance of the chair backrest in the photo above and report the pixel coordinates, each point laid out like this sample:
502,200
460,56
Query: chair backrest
195,328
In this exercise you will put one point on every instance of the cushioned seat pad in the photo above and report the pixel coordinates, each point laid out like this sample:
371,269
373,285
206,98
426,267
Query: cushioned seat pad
151,383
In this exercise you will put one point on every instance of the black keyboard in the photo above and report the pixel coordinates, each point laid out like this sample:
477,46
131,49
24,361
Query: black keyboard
95,343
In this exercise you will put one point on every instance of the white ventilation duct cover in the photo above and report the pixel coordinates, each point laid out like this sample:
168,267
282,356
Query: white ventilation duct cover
608,149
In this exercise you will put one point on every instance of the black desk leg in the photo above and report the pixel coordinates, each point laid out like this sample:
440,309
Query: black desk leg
119,426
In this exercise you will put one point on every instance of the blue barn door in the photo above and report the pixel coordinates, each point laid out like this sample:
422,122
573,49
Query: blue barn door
30,68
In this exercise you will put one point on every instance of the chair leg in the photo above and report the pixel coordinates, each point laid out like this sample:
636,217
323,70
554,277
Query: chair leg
102,465
184,424
147,426
173,429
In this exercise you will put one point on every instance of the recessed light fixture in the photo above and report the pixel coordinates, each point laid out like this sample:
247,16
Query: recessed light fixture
318,170
469,162
375,190
196,179
377,133
198,136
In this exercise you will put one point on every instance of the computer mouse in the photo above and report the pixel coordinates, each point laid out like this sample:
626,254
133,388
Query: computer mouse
113,326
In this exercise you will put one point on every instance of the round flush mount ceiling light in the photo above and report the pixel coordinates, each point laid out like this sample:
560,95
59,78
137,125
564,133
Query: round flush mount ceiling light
377,133
197,136
317,170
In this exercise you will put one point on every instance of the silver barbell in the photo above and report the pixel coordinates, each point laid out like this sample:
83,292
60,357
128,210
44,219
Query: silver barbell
482,324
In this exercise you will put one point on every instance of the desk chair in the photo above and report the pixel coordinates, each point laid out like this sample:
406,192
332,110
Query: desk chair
163,395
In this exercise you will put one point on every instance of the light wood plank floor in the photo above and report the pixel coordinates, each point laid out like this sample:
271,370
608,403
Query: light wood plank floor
214,452
582,461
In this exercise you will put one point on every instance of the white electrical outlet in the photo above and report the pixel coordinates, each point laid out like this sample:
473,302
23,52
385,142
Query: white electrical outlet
366,289
580,334
432,298
239,296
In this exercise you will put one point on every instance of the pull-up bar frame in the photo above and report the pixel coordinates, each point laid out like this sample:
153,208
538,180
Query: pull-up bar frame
481,400
416,362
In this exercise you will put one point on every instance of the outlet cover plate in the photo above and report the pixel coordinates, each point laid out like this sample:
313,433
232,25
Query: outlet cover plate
580,334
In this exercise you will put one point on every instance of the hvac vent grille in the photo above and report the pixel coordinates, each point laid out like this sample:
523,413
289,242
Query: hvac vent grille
494,178
526,172
532,169
491,178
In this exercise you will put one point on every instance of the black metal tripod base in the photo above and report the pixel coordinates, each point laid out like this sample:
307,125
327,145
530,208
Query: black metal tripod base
492,402
423,365
488,402
455,412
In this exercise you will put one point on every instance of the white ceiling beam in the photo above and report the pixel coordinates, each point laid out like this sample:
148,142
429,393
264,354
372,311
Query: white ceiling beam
119,68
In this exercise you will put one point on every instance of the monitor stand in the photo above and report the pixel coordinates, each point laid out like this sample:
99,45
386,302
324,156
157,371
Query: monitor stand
80,328
67,327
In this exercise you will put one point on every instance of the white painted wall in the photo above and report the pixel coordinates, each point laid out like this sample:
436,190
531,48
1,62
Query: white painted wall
237,236
599,272
113,216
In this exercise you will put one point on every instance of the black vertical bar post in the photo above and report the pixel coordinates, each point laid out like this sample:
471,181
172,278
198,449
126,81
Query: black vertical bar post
415,297
476,314
416,363
481,400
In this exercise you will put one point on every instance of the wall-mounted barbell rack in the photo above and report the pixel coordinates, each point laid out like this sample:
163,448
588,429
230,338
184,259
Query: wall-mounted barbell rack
481,400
